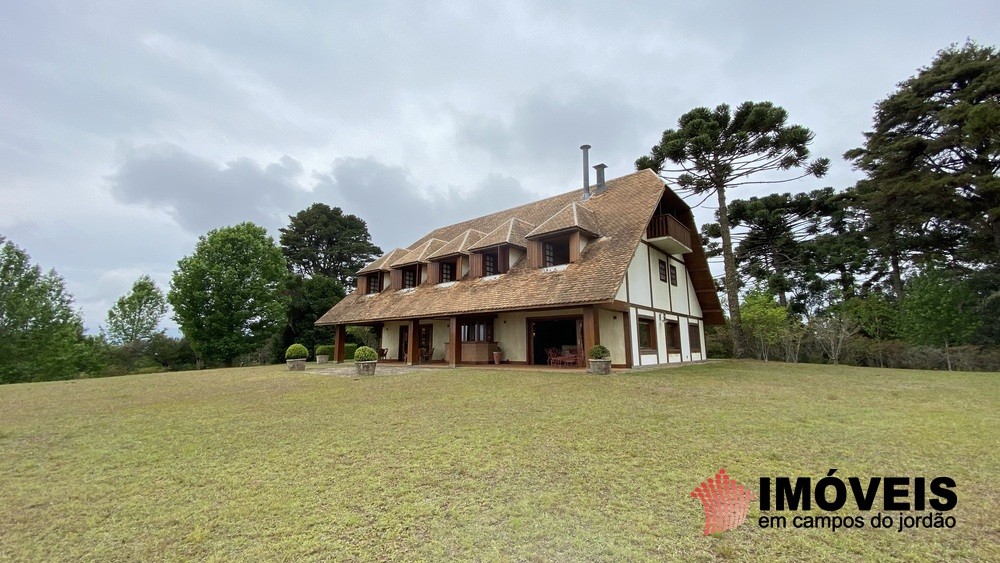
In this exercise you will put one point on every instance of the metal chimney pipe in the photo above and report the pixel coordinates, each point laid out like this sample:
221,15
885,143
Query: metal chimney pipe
600,178
586,171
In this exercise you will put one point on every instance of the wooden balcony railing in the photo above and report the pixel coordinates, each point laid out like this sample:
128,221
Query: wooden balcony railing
667,226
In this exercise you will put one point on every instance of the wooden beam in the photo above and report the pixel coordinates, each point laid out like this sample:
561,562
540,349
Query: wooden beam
413,343
340,339
454,358
591,330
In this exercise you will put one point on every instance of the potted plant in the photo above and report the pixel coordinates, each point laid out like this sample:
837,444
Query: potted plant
323,353
497,354
600,360
365,360
295,357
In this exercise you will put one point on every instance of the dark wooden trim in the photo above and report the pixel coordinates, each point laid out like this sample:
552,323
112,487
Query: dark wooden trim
591,330
454,355
574,247
413,343
340,338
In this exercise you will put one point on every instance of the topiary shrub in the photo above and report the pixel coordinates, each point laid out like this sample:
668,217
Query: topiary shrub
296,352
349,349
325,350
365,354
598,352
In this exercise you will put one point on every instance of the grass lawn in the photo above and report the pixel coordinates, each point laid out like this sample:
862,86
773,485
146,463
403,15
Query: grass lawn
264,463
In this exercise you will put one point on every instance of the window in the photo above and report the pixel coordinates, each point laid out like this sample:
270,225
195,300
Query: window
490,264
409,278
555,252
647,337
477,330
374,283
673,336
447,272
663,271
673,275
695,337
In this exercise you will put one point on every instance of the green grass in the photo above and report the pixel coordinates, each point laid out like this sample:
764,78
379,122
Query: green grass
264,463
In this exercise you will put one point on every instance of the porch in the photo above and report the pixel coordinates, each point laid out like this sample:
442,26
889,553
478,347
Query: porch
557,338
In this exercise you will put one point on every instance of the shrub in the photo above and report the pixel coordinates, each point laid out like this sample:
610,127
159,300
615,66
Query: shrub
296,352
349,349
365,354
325,350
598,352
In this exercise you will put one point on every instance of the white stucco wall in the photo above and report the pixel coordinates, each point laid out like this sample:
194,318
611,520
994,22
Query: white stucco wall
612,332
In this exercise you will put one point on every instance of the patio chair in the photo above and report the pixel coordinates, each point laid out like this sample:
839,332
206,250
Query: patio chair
426,355
382,353
555,356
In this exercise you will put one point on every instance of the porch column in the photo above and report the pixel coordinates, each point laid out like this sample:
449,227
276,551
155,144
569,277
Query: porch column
455,345
591,330
413,344
339,339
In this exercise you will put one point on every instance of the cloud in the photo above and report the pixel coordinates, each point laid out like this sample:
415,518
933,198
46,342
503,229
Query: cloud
546,125
200,194
398,210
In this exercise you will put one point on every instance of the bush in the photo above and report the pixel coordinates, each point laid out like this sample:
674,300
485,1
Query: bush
296,352
598,352
365,354
350,349
325,350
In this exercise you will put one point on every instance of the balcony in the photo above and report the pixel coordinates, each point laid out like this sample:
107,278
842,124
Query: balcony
668,234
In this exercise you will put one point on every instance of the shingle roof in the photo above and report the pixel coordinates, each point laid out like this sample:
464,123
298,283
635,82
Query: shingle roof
512,232
573,216
382,263
419,254
458,245
622,212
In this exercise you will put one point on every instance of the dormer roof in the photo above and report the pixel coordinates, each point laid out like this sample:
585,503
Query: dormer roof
458,245
381,264
510,232
420,254
572,217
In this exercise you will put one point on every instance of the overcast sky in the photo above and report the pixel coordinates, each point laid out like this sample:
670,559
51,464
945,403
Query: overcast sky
130,129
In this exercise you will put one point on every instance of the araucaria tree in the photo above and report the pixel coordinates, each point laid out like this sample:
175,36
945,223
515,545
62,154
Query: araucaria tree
716,150
134,317
227,296
39,330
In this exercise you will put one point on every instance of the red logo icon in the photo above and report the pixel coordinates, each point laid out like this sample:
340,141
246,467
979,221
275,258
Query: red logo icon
725,501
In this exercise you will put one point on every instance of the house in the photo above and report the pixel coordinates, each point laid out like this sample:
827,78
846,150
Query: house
618,263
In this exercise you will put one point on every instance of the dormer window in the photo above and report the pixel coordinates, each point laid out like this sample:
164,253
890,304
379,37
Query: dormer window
374,283
490,264
410,277
447,272
555,252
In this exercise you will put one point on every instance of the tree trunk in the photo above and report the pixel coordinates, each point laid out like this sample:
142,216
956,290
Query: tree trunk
947,355
897,278
782,299
732,287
